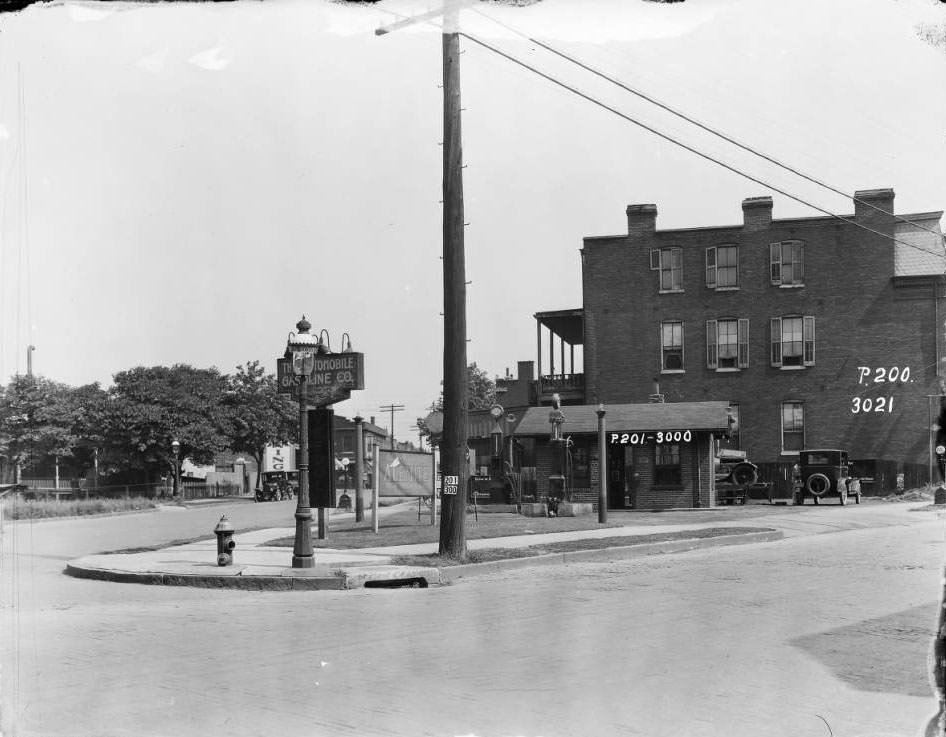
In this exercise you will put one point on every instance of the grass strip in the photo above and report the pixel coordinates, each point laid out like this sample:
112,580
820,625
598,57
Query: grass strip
46,509
488,555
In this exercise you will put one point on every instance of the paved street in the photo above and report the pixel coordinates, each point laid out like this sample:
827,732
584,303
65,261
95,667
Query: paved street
764,639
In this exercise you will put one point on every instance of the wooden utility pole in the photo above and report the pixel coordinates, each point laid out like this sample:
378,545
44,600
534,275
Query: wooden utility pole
453,446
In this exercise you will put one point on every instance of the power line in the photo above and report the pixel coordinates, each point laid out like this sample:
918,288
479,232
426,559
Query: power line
702,126
682,145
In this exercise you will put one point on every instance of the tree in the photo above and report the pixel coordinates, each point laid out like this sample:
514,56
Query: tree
148,408
41,420
481,395
259,415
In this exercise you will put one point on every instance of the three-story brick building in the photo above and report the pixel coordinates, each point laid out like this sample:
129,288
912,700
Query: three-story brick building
819,331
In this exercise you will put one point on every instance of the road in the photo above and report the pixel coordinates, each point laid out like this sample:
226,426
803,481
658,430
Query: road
786,638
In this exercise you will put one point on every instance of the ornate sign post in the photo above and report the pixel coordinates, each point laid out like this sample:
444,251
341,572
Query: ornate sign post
319,378
557,477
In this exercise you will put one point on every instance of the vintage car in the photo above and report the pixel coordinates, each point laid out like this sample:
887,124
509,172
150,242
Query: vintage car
276,486
734,476
825,473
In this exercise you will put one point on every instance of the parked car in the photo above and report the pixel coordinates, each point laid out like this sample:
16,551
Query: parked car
734,476
826,473
276,486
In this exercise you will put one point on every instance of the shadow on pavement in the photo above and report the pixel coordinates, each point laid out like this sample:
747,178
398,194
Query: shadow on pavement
888,655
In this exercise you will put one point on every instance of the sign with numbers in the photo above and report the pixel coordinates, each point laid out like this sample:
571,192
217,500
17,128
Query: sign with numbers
450,484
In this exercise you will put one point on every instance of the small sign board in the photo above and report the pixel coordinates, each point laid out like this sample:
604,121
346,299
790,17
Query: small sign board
450,484
940,449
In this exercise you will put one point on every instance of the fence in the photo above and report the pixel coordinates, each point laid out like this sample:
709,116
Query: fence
45,489
211,491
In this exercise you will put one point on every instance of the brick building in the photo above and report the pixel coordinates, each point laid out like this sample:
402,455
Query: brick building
818,332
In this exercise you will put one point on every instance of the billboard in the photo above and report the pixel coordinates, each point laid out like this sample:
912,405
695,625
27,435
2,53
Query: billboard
405,473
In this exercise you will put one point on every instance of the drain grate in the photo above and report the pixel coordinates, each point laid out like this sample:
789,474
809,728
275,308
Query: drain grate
397,583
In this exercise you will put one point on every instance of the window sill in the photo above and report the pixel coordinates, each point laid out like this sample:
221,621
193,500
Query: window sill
671,291
725,289
791,286
790,452
727,370
791,368
673,371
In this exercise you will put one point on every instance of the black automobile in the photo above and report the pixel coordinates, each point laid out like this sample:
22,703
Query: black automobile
276,486
826,473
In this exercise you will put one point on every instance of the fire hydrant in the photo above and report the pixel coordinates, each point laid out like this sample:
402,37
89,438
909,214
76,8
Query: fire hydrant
225,542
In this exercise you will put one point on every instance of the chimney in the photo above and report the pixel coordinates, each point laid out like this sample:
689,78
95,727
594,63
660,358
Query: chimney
372,419
756,213
641,219
525,370
866,200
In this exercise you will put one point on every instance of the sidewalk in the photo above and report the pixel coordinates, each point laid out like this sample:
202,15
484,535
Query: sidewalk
257,566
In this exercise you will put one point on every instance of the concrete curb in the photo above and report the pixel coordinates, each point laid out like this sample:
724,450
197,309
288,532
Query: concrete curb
622,552
338,580
352,577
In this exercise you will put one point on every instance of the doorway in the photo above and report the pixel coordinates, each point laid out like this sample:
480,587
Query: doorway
622,480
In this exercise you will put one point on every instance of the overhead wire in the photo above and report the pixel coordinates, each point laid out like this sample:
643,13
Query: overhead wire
682,145
699,124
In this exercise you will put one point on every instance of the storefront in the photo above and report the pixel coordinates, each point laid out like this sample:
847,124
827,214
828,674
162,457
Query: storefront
659,456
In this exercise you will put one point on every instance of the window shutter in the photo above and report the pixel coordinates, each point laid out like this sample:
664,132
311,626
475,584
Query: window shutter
711,267
743,354
808,335
711,350
654,259
800,271
776,341
775,262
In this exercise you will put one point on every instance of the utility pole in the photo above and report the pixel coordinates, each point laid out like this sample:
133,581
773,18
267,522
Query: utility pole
453,444
392,408
453,447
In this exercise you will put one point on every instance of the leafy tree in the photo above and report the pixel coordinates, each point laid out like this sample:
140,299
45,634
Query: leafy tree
148,408
259,415
41,419
481,395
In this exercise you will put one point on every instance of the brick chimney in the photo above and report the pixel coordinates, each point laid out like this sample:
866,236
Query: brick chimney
756,213
525,370
863,199
641,219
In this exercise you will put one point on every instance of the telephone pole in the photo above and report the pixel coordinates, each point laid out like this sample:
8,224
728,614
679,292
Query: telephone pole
453,445
453,448
392,408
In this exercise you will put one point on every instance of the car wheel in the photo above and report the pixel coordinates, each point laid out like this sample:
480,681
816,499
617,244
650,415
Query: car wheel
818,484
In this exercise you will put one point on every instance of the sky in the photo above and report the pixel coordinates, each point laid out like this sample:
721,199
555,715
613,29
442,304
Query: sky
180,183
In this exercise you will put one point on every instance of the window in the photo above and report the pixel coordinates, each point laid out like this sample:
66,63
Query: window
787,263
722,267
671,346
727,344
793,427
669,262
667,466
793,341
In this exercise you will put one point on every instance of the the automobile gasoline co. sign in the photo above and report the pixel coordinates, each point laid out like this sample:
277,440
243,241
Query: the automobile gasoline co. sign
332,378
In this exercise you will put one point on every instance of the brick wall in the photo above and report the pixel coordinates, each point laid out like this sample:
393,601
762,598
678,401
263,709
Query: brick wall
862,319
